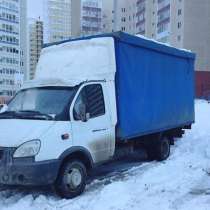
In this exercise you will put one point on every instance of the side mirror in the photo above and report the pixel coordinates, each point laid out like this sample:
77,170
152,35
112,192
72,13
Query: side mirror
3,108
82,113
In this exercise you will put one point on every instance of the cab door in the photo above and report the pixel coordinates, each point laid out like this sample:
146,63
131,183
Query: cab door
93,131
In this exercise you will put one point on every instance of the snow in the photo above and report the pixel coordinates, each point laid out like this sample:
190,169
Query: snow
162,43
96,61
49,82
180,183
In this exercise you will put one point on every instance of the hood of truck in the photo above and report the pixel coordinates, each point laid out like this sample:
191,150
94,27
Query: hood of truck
14,132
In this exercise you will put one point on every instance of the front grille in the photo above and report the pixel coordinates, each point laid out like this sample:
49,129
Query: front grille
6,153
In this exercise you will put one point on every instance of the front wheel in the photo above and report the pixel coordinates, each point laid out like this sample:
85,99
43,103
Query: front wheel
71,180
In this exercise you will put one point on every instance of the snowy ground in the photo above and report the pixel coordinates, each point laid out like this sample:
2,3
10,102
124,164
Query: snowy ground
180,183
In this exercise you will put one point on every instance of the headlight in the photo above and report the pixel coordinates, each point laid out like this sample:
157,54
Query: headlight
28,149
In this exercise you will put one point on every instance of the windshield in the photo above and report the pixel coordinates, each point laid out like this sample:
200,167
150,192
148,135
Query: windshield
48,102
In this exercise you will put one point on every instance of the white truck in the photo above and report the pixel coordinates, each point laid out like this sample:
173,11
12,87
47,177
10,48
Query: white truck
94,99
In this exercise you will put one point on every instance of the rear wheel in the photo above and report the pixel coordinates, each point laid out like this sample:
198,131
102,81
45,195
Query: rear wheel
159,149
71,181
163,149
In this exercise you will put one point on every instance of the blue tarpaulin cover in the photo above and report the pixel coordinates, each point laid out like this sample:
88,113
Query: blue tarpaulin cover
154,85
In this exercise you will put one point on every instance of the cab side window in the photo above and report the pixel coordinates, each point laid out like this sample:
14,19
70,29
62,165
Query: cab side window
93,99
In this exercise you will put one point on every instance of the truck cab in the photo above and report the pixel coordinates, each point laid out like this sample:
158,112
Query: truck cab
49,125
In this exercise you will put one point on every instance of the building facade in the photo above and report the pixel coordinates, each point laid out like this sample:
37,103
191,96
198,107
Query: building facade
91,17
12,46
146,18
35,46
57,20
119,15
72,18
107,16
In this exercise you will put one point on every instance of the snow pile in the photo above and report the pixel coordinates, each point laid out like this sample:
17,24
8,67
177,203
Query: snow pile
180,183
92,59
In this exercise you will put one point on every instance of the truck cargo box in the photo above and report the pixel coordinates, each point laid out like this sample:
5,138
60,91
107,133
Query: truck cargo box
154,86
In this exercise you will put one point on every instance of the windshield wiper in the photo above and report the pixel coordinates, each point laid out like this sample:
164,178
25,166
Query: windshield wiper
36,113
9,114
25,114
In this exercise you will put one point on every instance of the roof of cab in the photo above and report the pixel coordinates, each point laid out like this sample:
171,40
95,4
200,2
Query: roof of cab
136,41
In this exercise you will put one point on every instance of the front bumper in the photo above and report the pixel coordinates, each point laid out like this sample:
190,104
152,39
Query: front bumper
25,171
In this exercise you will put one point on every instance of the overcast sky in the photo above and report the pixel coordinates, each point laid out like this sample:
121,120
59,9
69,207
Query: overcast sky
35,8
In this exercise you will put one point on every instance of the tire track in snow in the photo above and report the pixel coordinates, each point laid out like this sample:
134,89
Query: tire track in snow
98,184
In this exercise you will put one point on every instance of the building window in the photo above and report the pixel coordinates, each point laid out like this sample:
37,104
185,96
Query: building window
123,9
179,24
123,19
179,11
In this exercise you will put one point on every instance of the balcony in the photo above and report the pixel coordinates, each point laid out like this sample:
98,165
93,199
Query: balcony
90,28
164,9
140,2
91,19
163,4
8,20
163,21
140,11
142,32
2,7
141,22
91,9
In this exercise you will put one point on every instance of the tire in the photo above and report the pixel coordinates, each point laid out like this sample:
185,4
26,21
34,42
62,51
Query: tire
71,180
159,149
163,149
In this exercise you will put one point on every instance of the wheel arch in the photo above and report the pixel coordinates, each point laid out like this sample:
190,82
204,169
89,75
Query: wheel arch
79,153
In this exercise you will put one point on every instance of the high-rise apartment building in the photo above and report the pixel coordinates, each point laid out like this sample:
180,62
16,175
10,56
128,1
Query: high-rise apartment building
35,45
119,15
164,13
146,18
57,20
72,18
158,19
171,21
12,46
107,16
125,16
91,17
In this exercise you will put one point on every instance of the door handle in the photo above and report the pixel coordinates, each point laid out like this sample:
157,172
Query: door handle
99,130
